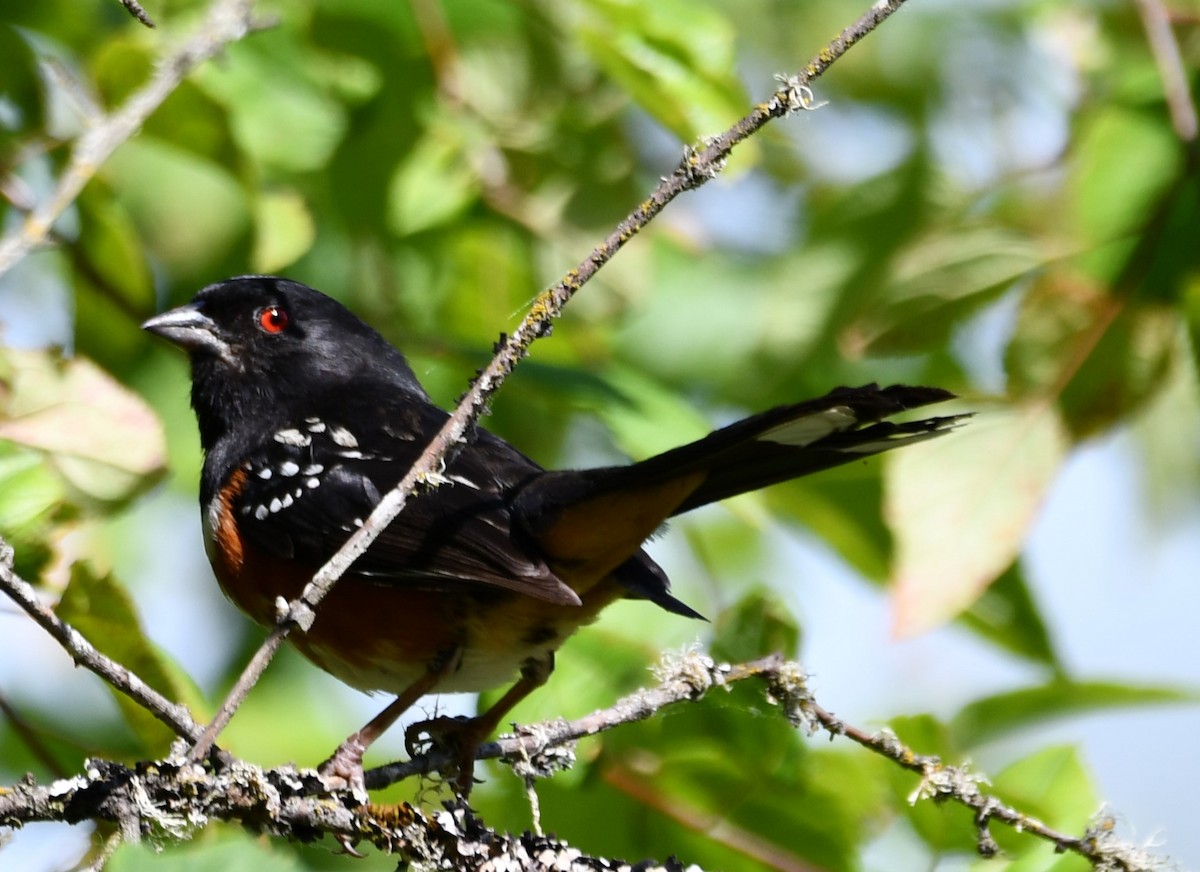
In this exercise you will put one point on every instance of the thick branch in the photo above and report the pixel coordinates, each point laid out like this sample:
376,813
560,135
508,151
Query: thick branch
172,798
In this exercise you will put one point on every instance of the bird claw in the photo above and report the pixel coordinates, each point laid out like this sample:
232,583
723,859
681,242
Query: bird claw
458,737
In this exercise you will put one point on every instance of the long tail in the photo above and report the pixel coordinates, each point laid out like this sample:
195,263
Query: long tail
599,516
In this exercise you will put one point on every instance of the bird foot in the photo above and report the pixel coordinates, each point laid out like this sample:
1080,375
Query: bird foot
344,770
457,737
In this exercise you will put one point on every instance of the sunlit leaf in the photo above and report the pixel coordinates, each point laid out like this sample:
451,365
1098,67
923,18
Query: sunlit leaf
433,183
205,214
1051,785
284,230
674,58
278,115
99,436
960,507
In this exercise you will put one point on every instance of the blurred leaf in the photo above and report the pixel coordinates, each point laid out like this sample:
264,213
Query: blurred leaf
31,503
673,57
99,608
1051,785
21,85
433,183
937,282
1002,714
278,116
1111,194
647,418
960,507
206,213
756,625
235,851
99,436
284,230
1007,615
1105,356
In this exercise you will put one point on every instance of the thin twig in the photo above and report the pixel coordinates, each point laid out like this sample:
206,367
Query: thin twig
226,22
136,10
175,716
700,164
1165,49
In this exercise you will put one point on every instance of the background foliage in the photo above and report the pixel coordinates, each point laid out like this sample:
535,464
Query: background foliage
994,200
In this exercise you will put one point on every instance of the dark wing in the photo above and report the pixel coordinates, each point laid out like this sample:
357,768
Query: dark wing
311,485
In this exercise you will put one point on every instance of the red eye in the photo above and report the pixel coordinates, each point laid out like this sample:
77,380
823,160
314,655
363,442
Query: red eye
273,319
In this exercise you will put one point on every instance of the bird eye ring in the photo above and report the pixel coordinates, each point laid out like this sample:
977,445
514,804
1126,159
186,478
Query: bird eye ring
272,319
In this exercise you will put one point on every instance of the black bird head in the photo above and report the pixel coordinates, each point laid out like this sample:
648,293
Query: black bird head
260,345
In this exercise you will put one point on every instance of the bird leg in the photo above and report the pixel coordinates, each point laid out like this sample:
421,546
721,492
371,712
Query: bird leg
344,768
462,737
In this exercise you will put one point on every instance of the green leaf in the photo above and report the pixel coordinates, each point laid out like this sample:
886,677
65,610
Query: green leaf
1111,194
937,282
1051,785
234,851
189,210
284,230
278,116
104,442
1002,714
1007,615
434,183
674,58
648,418
756,625
960,508
1104,356
100,608
21,85
32,502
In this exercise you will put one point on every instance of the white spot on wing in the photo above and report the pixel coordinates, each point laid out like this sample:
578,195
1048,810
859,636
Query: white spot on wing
276,505
313,482
810,428
292,436
260,513
313,469
343,437
289,468
264,473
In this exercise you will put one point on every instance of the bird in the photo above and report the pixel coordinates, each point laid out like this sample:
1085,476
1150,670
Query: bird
307,416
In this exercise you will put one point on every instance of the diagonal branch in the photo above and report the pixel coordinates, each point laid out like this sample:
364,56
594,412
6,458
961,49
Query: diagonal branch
175,716
1157,24
227,22
173,798
699,165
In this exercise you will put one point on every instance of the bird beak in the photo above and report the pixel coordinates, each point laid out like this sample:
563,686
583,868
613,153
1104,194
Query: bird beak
189,328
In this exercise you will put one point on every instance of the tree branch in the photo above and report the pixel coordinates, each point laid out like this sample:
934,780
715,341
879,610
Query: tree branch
136,10
175,716
168,800
227,22
700,164
1165,49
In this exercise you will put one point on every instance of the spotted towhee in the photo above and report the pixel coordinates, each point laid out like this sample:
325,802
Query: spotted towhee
307,416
